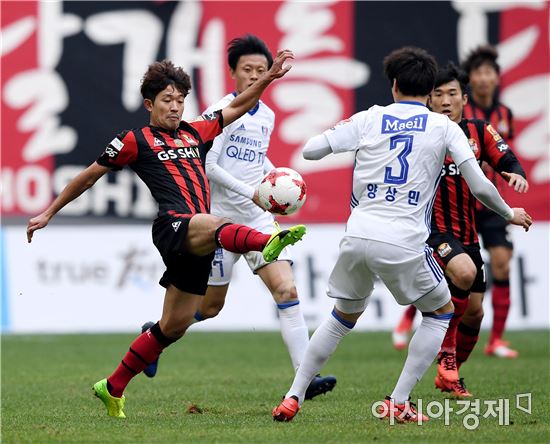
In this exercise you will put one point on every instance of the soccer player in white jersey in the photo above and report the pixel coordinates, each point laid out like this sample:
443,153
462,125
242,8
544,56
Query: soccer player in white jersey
235,165
400,151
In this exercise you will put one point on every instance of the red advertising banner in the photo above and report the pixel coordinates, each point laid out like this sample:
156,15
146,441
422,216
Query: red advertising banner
71,71
524,41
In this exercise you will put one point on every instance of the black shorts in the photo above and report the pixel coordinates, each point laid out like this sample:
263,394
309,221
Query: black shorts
446,247
185,271
493,229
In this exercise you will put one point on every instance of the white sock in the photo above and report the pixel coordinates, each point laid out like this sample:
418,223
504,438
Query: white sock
294,332
321,346
423,349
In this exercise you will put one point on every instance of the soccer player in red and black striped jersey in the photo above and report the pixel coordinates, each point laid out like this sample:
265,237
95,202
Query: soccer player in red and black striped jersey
483,103
168,155
454,235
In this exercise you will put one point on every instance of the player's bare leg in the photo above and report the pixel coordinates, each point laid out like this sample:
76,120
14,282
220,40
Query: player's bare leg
212,303
178,310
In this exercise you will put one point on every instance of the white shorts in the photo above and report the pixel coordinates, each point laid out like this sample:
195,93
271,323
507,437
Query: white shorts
412,277
223,262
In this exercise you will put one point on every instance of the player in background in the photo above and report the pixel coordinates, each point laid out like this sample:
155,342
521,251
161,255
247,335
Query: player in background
400,150
235,165
454,236
483,103
168,155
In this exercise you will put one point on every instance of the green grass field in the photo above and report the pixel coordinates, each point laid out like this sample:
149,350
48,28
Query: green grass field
237,378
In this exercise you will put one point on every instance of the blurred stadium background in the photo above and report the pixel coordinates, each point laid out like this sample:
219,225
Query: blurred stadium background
70,82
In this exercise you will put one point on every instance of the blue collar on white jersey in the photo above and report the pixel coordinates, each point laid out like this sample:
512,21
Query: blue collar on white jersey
253,110
412,102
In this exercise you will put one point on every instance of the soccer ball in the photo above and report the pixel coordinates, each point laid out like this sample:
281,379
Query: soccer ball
282,191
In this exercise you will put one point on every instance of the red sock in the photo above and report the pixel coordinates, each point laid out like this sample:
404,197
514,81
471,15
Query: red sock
240,238
145,349
466,340
407,319
501,304
449,342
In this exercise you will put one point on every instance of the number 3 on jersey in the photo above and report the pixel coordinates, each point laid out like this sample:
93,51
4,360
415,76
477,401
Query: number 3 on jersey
405,142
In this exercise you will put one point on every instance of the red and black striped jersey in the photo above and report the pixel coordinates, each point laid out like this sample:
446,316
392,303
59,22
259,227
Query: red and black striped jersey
454,203
171,163
499,116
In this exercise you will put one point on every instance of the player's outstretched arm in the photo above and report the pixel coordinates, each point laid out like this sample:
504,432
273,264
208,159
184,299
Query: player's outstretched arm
316,148
249,97
487,194
73,189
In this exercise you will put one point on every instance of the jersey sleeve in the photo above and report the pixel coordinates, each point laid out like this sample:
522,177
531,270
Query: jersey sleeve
209,126
457,144
495,146
346,135
498,154
120,151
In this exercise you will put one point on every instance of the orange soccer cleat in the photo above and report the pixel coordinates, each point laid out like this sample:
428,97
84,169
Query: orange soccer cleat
287,410
446,367
405,412
456,388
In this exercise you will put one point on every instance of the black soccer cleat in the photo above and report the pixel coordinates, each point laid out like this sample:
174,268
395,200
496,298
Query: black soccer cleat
320,385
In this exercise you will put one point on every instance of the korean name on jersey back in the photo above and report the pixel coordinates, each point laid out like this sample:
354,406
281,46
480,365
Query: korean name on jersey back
392,124
191,152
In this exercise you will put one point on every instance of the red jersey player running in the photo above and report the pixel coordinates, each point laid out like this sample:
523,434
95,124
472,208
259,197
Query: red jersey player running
483,103
168,155
454,235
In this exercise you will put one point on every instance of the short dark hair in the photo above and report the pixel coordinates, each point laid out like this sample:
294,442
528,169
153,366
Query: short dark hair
245,45
450,72
413,68
161,74
485,54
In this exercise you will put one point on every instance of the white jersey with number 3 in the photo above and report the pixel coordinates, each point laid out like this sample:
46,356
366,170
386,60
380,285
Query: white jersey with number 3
400,149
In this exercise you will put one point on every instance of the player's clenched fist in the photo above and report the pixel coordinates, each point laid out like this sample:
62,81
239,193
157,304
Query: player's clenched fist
521,218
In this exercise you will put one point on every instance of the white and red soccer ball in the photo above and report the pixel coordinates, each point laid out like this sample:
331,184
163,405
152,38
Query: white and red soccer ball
282,191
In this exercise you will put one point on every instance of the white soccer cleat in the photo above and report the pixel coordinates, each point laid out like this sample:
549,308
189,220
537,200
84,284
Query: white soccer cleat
500,349
400,340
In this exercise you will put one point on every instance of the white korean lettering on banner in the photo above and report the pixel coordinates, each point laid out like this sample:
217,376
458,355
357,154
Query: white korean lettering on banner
140,48
525,93
45,94
183,49
473,23
42,90
308,91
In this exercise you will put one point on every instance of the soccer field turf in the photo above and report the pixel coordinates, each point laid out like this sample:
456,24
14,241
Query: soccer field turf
237,378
